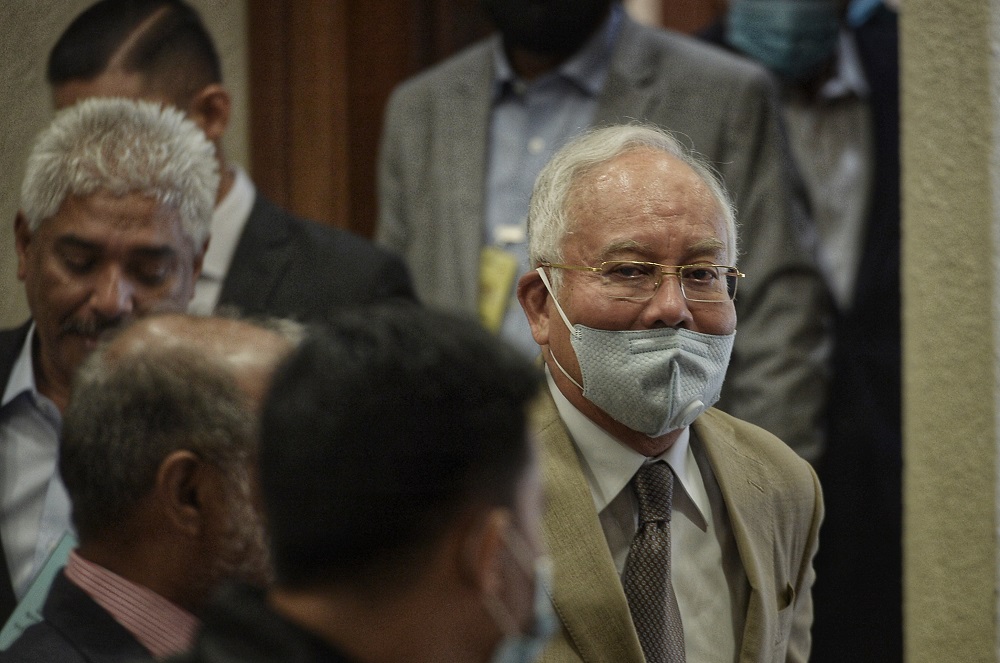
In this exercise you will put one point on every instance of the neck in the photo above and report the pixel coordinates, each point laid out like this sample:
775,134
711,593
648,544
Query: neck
529,65
380,630
227,177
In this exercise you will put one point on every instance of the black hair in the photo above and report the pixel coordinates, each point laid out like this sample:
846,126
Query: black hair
165,41
379,432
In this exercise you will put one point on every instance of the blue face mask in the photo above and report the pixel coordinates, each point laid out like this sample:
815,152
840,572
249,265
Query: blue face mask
792,38
525,647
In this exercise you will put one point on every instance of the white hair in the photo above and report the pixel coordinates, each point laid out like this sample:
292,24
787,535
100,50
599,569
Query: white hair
548,218
123,146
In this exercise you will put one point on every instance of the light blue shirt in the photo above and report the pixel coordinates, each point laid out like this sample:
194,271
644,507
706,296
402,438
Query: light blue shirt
530,121
34,505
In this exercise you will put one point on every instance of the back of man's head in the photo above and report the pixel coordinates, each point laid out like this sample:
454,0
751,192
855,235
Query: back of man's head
378,434
163,41
172,396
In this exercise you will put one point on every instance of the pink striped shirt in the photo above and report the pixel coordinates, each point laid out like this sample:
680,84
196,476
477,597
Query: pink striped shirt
160,626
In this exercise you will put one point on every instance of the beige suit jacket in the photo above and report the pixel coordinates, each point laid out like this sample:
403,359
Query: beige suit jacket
775,507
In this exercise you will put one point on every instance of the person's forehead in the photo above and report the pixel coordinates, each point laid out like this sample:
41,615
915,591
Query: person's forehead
102,213
625,201
640,170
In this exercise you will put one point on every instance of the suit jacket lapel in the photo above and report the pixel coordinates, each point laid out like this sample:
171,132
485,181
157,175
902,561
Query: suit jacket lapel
587,593
463,134
744,489
261,258
10,347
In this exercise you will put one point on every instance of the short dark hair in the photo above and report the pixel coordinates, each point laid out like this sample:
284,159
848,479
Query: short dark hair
127,415
379,432
172,49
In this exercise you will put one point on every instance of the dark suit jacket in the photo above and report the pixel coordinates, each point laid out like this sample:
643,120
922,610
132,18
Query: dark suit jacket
285,266
75,629
240,627
11,341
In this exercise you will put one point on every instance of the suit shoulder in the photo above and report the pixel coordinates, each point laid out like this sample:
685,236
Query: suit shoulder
346,246
696,58
470,61
762,445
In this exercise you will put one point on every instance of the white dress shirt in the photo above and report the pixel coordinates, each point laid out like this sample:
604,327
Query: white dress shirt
34,505
707,574
228,220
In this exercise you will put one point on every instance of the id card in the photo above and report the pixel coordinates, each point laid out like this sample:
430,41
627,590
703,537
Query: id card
497,272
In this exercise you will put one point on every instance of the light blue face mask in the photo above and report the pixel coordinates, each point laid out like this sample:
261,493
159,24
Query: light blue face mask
525,647
655,380
792,38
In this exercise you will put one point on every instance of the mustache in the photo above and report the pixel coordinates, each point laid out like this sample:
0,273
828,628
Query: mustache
94,327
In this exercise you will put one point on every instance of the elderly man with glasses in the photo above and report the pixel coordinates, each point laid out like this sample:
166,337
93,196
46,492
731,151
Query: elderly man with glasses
678,532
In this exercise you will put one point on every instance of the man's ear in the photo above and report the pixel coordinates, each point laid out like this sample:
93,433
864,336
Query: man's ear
534,298
210,109
22,239
483,548
180,491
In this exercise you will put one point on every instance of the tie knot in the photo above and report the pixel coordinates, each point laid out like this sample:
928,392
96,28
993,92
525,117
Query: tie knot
654,488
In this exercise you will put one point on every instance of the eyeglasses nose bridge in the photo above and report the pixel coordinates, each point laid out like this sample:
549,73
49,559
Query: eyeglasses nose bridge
669,271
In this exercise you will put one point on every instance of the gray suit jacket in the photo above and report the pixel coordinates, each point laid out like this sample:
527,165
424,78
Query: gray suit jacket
775,508
431,191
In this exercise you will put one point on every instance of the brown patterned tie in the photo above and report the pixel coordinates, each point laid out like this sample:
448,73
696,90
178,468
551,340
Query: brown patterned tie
647,584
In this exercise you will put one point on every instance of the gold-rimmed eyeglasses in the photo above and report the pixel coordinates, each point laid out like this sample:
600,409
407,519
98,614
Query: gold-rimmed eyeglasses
637,281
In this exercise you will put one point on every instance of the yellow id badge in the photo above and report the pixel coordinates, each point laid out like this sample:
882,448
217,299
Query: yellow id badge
497,271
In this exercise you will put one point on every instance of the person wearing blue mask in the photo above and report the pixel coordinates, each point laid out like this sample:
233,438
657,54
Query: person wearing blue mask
403,498
678,533
838,64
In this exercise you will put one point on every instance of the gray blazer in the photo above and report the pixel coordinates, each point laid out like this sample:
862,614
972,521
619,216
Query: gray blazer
431,190
775,508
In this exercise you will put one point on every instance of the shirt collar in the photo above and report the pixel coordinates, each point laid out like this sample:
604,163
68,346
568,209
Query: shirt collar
613,464
22,375
159,625
228,220
587,69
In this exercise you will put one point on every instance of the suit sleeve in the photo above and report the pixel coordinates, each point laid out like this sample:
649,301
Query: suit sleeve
800,638
778,377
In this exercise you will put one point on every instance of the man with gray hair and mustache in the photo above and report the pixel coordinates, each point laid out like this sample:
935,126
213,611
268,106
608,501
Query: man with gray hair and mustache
159,456
115,210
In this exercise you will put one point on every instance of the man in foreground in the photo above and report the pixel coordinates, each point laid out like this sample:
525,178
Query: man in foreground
403,499
678,533
159,455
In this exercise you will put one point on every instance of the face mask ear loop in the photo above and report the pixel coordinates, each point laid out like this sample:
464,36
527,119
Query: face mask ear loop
548,286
